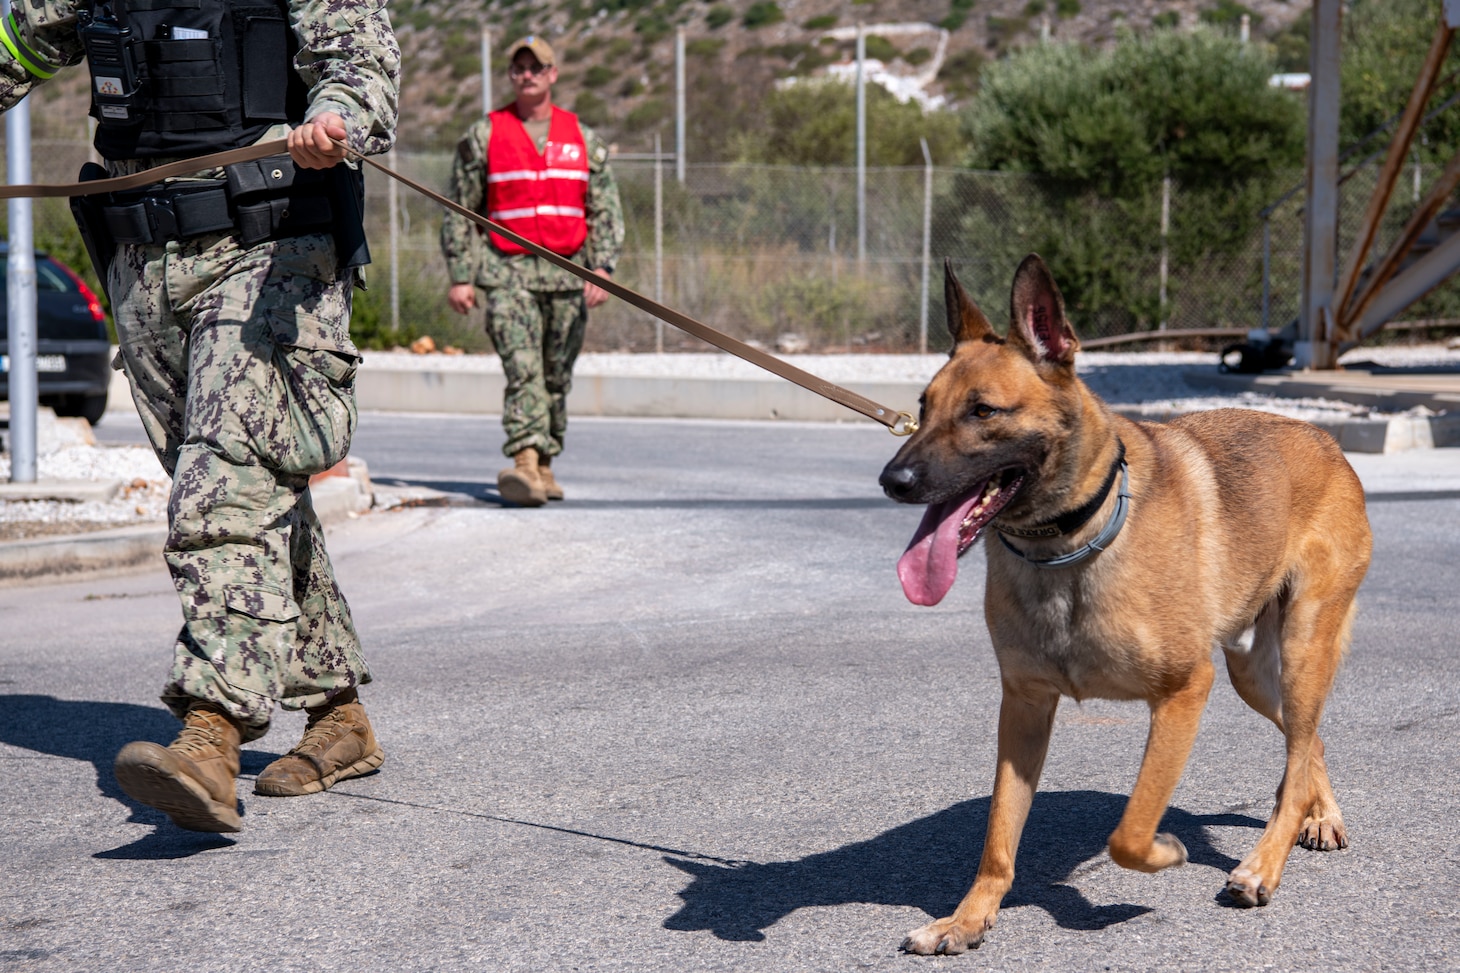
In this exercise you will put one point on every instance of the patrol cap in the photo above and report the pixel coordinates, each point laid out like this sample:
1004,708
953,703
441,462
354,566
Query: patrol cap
537,46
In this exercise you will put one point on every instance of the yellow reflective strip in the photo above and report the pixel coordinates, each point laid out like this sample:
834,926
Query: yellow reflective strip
28,59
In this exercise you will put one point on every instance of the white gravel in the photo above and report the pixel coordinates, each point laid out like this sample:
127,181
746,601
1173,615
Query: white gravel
1149,382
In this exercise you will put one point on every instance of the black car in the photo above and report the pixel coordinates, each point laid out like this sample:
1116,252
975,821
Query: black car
73,354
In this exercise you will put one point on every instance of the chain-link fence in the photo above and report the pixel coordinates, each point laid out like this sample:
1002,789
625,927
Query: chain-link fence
765,253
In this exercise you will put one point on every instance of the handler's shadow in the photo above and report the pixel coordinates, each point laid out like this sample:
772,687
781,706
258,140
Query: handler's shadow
930,863
93,732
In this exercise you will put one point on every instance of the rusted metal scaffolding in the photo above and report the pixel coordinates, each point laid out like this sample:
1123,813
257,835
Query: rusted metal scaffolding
1340,309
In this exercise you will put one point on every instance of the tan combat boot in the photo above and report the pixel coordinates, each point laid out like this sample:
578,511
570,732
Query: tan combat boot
338,743
550,486
522,484
191,779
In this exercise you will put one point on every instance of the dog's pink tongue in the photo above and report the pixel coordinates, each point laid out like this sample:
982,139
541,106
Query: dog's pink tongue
929,566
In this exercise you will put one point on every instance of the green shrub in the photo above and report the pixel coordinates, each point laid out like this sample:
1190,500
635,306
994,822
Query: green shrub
813,123
598,76
880,48
918,56
823,22
718,16
647,115
762,13
652,28
1227,13
1166,20
591,108
704,47
1101,129
1066,8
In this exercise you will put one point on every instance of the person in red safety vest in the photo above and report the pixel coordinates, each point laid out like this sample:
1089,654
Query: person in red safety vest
540,172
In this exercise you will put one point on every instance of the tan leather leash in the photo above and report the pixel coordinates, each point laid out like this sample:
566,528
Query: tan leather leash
898,423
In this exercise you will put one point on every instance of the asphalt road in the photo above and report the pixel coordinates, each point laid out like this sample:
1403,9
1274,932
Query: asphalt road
686,721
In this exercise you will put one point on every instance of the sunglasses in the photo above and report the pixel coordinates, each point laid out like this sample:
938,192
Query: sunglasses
522,70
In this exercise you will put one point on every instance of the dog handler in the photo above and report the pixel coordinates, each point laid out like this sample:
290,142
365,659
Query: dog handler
231,291
539,171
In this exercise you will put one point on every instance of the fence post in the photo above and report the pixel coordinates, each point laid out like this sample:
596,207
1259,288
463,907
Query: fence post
1165,230
1266,267
861,147
679,118
392,195
927,244
658,241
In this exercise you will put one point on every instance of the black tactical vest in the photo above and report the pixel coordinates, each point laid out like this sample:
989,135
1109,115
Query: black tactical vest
189,77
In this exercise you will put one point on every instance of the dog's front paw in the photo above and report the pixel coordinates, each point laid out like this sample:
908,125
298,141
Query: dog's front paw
1248,888
946,937
1323,834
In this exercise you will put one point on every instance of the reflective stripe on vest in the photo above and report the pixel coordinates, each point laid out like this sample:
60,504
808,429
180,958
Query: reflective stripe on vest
540,195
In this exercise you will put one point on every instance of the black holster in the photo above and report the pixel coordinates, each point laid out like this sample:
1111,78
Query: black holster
347,196
86,210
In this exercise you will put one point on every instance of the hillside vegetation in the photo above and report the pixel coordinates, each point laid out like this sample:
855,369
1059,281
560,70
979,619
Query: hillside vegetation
618,55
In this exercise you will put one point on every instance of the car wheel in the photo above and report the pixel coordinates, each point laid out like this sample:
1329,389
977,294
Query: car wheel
89,407
93,407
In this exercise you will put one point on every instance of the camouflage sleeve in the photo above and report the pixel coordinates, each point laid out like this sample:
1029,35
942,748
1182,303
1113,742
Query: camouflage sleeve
349,57
37,39
605,210
461,241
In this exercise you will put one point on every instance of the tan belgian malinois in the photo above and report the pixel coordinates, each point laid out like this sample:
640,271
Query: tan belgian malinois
1125,553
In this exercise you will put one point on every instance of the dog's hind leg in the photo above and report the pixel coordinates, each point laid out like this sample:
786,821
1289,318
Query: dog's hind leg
1175,717
1025,723
1255,668
1314,632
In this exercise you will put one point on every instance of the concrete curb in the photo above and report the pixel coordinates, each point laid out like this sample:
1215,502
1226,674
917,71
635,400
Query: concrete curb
336,498
480,392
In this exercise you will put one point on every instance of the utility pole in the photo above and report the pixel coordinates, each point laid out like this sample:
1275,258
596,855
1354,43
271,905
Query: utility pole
1314,348
486,73
21,296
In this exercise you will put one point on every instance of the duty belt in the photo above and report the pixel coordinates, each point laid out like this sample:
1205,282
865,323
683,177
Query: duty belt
259,200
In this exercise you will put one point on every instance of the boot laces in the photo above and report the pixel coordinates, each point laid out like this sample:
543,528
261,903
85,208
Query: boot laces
200,734
322,730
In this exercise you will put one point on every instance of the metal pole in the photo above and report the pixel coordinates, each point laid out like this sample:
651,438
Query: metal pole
1314,348
393,199
21,301
927,244
1244,30
1266,269
486,72
678,106
1165,232
861,147
658,242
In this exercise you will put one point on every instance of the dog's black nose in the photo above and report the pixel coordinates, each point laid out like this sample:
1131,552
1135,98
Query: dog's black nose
898,480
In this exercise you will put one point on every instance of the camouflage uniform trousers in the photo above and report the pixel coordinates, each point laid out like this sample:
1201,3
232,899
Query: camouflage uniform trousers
538,335
242,369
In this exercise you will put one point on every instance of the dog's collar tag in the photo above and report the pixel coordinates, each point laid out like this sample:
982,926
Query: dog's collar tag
1101,541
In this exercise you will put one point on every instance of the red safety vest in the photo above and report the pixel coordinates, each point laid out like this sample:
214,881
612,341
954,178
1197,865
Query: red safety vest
538,194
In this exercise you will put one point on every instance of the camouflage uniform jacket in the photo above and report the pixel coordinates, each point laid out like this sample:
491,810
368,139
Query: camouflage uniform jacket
348,56
470,256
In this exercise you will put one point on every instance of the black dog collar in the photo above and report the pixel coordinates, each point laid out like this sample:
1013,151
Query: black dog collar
1068,523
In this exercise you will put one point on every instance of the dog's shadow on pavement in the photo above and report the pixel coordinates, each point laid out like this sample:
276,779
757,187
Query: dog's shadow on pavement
93,732
930,863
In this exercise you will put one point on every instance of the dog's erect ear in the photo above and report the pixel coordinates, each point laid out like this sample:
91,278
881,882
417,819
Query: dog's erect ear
1040,327
965,321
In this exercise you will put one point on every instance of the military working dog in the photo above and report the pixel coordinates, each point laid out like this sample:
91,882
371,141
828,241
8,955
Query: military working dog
1123,554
